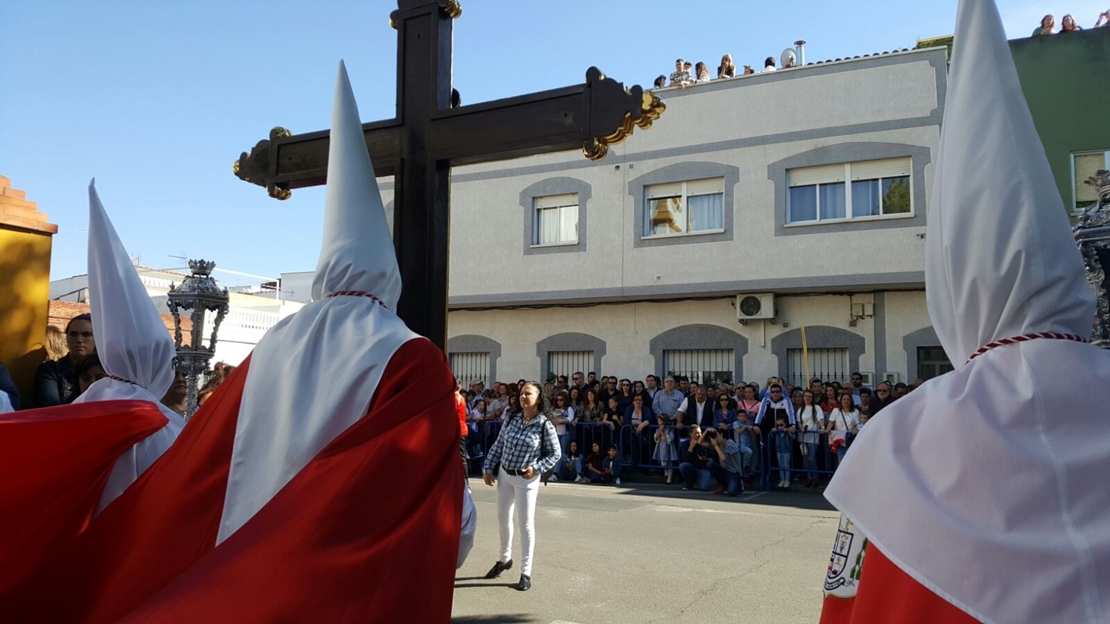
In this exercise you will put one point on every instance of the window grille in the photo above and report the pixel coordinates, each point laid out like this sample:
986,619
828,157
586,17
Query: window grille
470,368
827,364
705,366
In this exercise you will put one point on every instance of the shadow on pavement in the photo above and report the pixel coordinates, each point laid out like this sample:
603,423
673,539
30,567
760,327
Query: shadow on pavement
459,585
500,619
812,499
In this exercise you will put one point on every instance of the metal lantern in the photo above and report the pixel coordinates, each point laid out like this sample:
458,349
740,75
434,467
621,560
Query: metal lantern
200,296
1092,233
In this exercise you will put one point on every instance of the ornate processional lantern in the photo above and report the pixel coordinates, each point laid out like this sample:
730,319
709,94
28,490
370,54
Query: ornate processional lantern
1092,233
199,294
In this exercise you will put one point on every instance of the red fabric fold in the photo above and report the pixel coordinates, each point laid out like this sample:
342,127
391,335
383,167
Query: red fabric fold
367,532
56,461
887,594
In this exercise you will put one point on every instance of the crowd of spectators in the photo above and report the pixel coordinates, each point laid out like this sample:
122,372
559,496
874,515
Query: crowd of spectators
728,433
1068,24
71,366
686,73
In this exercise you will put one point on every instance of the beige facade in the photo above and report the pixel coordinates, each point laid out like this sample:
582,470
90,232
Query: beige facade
632,302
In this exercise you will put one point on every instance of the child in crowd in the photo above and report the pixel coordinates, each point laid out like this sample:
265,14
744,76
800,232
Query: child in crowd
610,467
569,467
781,440
665,451
594,463
88,371
746,432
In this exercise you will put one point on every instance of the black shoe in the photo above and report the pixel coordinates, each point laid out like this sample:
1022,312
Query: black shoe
525,583
498,568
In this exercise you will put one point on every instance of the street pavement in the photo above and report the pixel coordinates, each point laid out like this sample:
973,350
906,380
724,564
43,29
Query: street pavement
652,553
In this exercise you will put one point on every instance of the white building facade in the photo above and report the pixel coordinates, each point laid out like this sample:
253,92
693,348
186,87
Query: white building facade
804,188
250,314
766,225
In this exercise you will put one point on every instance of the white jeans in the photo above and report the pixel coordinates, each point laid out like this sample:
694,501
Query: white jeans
517,493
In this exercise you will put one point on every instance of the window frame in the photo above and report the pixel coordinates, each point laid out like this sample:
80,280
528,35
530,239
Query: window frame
537,222
1074,183
684,196
847,182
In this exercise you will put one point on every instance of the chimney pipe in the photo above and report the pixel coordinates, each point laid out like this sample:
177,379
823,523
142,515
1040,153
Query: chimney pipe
800,49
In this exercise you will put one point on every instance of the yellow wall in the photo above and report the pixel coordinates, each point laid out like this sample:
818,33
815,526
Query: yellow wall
24,291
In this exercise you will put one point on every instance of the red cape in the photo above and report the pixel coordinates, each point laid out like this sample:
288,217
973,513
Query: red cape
887,594
367,532
56,461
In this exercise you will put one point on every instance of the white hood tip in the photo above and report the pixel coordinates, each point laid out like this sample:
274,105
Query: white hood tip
1000,257
358,253
131,340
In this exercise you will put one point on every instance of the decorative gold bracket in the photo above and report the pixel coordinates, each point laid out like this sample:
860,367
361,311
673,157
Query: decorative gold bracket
647,108
255,167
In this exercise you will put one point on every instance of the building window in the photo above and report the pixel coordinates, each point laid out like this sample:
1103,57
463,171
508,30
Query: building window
932,362
845,191
828,364
684,207
705,366
1083,166
569,362
471,368
556,221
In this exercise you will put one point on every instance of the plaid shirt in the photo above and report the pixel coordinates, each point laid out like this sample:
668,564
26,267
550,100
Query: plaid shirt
518,446
667,403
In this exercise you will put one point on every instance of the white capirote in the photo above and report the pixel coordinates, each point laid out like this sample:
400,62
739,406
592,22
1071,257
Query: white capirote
987,485
132,344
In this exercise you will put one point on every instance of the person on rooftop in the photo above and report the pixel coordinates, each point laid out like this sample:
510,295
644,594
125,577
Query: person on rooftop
1068,24
1048,23
727,68
769,64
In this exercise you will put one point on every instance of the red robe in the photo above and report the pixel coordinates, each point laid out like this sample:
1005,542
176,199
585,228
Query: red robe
56,461
368,531
887,594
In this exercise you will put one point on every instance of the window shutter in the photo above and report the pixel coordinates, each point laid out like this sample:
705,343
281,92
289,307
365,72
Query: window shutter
705,187
663,190
816,175
557,201
874,169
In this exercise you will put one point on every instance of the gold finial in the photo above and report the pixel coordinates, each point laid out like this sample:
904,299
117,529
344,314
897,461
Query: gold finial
279,193
450,8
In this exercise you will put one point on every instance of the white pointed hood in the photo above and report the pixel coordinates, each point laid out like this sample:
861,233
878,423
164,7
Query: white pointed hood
358,253
1000,258
987,484
132,343
131,340
314,374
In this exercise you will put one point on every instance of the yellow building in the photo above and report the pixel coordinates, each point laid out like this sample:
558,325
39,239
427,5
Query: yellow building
25,243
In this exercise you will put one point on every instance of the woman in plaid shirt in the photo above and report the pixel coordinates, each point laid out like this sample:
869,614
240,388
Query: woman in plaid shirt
527,447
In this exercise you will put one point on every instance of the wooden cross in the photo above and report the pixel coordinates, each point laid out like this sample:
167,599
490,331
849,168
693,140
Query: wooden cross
432,133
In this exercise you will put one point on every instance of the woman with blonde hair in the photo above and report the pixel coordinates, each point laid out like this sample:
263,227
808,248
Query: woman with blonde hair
56,348
727,69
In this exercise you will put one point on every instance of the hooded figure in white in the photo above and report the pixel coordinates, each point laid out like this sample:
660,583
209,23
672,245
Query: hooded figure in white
988,485
133,345
343,340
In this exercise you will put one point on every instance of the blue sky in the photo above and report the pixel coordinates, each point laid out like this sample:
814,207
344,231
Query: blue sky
156,100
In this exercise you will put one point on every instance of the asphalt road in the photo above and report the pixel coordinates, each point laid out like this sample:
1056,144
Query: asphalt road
653,553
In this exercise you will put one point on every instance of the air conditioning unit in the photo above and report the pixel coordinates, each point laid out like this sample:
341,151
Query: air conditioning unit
755,307
868,379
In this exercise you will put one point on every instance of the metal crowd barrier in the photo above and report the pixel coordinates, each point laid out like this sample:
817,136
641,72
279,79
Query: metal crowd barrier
637,452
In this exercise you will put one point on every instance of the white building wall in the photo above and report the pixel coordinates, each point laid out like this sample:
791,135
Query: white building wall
627,330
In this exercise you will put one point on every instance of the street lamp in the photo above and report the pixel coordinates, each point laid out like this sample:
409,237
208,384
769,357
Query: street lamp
200,295
1092,233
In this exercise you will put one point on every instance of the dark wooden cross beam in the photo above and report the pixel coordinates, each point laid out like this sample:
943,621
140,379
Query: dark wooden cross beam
431,133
